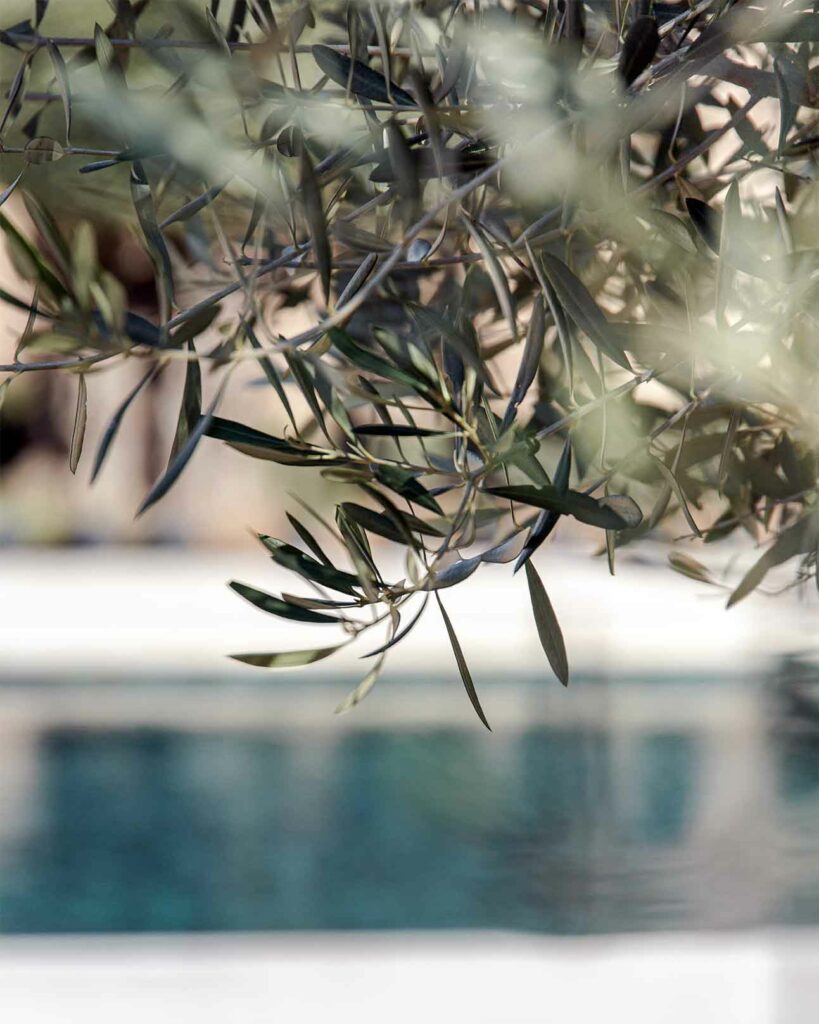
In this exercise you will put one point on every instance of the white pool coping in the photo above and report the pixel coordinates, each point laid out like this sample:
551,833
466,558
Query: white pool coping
110,609
406,978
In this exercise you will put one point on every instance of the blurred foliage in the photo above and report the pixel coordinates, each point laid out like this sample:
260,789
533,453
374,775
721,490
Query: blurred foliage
557,258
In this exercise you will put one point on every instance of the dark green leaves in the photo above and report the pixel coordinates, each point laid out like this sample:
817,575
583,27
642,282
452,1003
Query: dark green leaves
707,222
116,421
404,483
582,309
639,48
146,214
314,212
180,460
309,568
605,513
463,668
264,446
362,80
548,628
61,76
276,606
191,408
385,526
393,430
547,520
373,363
532,352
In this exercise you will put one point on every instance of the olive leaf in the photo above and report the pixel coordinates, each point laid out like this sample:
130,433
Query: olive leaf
463,668
582,309
639,47
311,197
362,80
80,420
183,455
795,540
116,420
548,628
621,515
287,659
276,606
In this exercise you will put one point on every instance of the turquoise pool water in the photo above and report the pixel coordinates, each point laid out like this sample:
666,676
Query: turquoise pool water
631,821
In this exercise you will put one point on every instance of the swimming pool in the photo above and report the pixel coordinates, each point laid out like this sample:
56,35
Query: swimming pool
140,804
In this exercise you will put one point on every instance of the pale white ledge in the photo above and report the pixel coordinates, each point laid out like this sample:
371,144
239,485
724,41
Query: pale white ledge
489,978
143,610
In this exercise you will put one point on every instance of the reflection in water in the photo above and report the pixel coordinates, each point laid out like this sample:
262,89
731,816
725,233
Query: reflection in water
562,829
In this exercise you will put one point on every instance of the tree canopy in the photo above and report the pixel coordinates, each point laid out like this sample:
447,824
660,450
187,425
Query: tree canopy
558,260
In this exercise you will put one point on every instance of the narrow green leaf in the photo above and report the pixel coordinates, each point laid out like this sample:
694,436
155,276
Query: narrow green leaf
191,408
265,446
796,540
63,84
382,525
707,221
80,419
583,310
403,482
572,503
690,567
309,568
394,430
530,361
372,363
308,538
400,636
9,189
44,273
146,214
271,373
171,475
314,211
623,506
113,427
463,668
496,275
454,573
673,483
362,80
548,628
276,606
639,47
106,55
287,659
363,688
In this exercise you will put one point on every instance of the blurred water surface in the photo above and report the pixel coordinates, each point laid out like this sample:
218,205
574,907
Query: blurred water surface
701,813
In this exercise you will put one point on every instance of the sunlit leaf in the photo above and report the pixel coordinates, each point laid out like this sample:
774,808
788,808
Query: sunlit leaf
80,420
690,567
286,659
